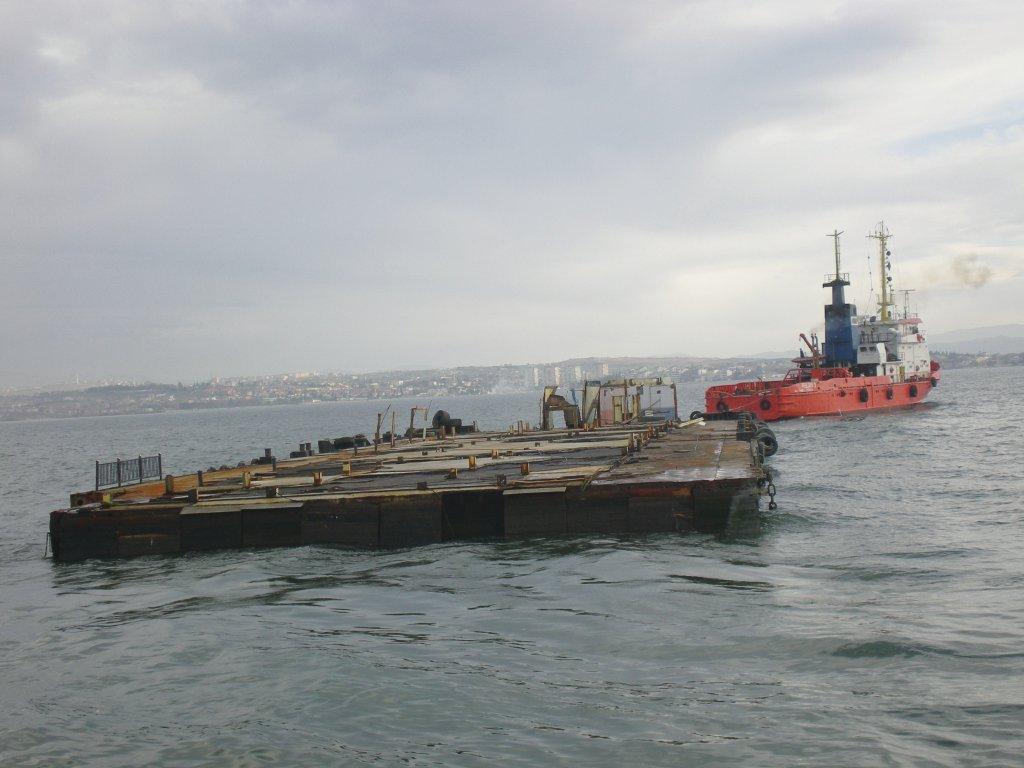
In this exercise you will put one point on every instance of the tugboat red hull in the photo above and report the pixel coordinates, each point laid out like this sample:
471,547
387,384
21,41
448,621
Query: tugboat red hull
794,397
867,363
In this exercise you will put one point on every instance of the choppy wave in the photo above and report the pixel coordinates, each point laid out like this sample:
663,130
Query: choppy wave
873,619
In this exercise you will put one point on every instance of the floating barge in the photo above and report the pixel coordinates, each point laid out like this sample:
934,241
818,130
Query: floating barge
666,476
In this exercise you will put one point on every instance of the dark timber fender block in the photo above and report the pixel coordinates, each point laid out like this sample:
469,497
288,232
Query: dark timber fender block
408,521
534,512
147,530
80,534
203,529
473,515
147,520
272,526
587,513
656,514
347,522
713,506
136,545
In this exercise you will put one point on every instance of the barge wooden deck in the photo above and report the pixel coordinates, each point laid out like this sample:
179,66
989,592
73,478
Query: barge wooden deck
644,478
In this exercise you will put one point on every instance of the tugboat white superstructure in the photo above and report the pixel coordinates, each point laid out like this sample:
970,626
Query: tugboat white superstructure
867,362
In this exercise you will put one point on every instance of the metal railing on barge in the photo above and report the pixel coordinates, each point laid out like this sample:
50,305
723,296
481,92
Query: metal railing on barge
114,474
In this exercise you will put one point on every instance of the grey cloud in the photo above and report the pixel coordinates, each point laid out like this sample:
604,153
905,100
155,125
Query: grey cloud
197,170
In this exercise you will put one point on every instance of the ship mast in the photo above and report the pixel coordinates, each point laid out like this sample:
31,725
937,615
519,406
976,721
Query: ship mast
906,300
885,302
839,348
835,236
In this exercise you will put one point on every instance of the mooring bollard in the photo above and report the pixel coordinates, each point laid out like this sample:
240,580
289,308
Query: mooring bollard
169,485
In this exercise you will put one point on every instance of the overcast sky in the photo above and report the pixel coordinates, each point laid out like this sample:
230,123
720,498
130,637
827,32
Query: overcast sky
199,189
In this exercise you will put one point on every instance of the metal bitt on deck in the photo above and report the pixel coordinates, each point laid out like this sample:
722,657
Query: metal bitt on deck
625,478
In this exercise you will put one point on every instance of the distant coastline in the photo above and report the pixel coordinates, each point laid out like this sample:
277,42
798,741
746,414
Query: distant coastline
290,389
979,360
123,398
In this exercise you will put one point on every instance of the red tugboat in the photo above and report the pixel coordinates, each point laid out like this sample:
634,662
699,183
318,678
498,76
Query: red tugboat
868,362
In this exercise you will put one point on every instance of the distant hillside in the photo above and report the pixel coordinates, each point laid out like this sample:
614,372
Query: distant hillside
969,360
776,355
997,339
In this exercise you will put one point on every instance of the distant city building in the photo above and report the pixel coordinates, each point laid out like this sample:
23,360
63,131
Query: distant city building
116,396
